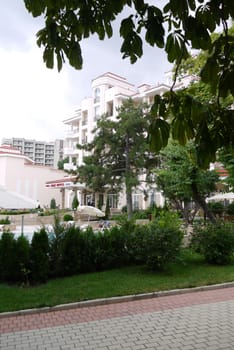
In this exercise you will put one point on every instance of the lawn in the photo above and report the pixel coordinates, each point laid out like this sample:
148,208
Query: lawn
189,271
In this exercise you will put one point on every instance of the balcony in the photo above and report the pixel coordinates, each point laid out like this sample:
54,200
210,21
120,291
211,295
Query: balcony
69,151
69,166
72,134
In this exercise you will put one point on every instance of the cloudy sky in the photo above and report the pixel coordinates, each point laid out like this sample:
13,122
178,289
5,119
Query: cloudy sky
35,100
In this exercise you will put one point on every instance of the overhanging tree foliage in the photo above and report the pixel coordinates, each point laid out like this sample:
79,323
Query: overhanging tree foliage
182,181
119,153
181,25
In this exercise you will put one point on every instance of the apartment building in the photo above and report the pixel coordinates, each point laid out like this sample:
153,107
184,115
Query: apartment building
108,91
42,153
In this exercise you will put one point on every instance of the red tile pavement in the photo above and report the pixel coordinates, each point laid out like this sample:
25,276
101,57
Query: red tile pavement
41,320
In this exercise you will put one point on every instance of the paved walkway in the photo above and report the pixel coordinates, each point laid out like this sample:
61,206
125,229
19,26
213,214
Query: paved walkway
195,320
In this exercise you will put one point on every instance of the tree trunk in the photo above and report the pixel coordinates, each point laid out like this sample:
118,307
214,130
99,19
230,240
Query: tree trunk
127,174
201,201
129,203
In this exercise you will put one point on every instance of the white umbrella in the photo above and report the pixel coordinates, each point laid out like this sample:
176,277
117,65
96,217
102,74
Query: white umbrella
221,196
91,211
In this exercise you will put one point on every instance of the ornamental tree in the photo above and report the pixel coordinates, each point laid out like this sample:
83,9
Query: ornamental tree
119,153
183,182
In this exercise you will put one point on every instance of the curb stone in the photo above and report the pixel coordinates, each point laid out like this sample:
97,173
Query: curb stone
114,300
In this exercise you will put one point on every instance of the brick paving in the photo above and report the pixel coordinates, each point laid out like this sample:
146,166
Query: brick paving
188,321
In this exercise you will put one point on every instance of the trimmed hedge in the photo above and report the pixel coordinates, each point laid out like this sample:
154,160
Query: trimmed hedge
68,250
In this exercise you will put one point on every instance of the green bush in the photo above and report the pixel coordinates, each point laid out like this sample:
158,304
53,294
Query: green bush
230,209
156,244
39,254
166,218
5,221
75,202
71,246
111,248
68,217
55,245
216,243
128,225
88,254
77,251
22,261
217,208
52,204
137,244
162,246
7,256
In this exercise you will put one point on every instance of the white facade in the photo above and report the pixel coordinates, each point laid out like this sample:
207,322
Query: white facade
108,92
19,174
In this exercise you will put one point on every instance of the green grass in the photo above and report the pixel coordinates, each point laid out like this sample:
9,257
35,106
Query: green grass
189,271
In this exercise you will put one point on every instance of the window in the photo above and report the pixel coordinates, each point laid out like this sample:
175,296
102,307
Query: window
113,200
85,118
137,201
97,112
96,95
109,108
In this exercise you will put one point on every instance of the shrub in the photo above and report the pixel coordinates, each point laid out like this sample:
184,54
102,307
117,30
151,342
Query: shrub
167,219
22,261
7,256
52,204
55,242
217,208
136,244
68,217
71,246
111,248
5,221
39,254
75,202
88,253
128,225
141,214
216,243
230,209
162,245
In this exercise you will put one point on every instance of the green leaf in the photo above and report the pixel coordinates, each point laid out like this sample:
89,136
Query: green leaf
36,7
48,57
74,56
158,134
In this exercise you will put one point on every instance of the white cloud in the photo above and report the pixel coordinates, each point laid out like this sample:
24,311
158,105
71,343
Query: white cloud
32,97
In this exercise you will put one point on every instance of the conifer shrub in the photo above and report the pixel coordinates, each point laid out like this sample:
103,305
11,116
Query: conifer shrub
39,255
52,204
75,202
22,261
71,246
55,236
7,256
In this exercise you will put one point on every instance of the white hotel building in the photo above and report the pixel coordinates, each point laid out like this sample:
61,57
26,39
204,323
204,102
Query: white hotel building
108,91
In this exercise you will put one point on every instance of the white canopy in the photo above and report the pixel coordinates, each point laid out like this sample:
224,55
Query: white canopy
14,200
221,197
